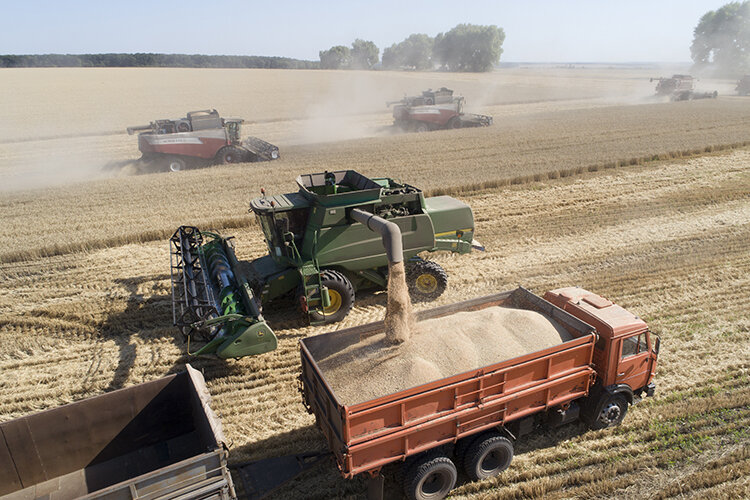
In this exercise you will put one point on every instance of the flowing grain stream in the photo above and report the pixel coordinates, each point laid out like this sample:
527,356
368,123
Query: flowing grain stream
666,240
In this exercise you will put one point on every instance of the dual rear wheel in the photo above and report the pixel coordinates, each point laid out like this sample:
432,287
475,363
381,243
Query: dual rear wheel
432,477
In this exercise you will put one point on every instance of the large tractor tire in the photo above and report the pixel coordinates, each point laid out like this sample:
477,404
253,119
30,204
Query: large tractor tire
175,164
488,456
421,127
426,279
430,478
230,154
341,293
454,122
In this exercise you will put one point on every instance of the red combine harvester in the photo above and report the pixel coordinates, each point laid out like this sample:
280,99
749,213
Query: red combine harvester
199,139
433,110
681,88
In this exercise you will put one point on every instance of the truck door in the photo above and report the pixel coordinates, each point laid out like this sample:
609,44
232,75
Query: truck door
635,361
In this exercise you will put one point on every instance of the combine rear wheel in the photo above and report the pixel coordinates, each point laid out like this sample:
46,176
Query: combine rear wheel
341,293
230,154
426,279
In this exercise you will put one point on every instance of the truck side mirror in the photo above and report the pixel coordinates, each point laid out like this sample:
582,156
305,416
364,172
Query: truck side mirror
657,344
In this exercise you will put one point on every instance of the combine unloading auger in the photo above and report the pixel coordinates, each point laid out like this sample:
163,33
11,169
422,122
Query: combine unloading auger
211,302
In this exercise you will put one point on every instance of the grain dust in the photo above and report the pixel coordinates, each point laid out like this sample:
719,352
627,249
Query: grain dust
438,348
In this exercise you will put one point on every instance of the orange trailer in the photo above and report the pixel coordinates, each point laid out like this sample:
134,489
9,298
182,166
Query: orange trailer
473,418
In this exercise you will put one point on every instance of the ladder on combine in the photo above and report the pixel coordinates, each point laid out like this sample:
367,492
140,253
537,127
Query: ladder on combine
315,296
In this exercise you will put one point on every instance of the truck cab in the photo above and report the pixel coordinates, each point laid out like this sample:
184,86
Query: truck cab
626,351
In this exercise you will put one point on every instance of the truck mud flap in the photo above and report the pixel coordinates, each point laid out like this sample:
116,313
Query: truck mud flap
261,149
262,477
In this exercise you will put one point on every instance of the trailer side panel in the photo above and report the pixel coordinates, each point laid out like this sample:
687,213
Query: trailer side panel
368,435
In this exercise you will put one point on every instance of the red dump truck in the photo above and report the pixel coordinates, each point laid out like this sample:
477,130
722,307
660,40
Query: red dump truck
151,441
472,419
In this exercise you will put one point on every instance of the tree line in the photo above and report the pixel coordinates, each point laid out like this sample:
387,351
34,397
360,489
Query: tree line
721,40
466,47
151,60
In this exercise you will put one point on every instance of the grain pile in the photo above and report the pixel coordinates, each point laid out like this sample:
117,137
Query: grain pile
438,348
399,318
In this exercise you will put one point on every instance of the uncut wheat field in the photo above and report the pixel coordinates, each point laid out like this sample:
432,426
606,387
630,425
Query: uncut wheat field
584,179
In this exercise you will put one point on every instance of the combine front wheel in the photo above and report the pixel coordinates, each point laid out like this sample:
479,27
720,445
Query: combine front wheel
230,154
421,127
341,293
454,122
175,164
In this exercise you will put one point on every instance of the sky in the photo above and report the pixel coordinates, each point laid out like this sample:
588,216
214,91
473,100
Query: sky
536,30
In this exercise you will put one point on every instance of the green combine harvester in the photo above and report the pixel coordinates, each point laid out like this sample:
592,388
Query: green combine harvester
333,237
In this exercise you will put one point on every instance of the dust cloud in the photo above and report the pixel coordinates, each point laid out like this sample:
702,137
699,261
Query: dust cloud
49,163
350,107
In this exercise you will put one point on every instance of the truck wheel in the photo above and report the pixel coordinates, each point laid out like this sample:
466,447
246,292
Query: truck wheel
454,122
230,154
175,164
610,412
341,293
421,127
459,451
426,280
430,478
488,456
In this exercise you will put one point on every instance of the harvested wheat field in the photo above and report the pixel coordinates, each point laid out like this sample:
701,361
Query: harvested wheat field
645,203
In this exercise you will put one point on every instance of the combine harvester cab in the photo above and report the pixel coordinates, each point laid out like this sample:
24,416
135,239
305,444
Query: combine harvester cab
202,138
154,440
433,110
319,254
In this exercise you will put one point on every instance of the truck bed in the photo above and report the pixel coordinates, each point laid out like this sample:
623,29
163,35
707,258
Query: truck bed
368,435
153,439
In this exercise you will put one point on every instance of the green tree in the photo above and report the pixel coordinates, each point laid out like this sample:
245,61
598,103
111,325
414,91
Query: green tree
335,58
413,53
721,40
364,54
469,47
